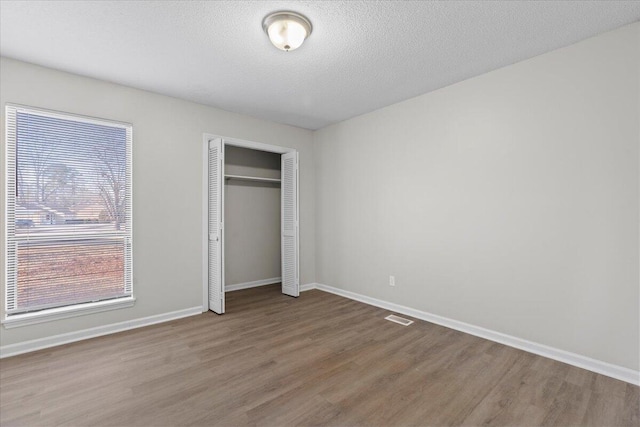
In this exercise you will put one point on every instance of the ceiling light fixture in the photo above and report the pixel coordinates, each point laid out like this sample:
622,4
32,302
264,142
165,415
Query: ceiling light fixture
286,30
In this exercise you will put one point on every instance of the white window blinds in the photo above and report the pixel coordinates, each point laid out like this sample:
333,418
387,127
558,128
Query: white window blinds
68,210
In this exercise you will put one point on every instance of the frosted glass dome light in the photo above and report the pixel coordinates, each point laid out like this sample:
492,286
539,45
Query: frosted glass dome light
286,30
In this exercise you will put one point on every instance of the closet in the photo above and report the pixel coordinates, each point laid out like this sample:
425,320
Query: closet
251,218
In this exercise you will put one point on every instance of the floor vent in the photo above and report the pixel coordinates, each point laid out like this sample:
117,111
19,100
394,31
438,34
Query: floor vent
398,319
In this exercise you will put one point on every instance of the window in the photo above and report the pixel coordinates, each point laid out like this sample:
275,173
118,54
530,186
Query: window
68,212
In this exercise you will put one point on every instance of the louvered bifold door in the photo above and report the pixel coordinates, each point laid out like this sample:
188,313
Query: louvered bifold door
216,288
289,225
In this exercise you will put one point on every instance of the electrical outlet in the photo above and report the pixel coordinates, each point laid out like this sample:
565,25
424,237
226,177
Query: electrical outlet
392,280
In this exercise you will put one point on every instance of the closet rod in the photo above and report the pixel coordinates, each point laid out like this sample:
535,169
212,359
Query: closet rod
252,178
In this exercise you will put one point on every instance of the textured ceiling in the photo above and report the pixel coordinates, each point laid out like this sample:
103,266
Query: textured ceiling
362,55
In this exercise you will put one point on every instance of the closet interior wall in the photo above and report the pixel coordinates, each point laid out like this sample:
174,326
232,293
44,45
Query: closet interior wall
251,217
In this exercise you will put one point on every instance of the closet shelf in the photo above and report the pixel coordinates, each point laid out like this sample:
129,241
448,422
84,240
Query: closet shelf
251,178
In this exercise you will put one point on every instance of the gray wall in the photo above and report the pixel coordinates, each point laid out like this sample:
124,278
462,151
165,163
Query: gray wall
167,184
508,201
251,217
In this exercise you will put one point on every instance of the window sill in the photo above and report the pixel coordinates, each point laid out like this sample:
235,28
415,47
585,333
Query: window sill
16,320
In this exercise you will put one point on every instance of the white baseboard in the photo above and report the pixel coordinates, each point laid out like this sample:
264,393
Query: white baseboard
308,287
598,366
254,284
39,344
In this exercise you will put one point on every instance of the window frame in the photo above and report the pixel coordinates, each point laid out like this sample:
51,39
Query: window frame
10,319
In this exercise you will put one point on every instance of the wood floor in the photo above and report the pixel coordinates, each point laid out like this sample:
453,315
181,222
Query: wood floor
316,360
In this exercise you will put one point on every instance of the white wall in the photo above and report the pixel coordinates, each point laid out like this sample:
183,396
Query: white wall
251,217
508,201
167,184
